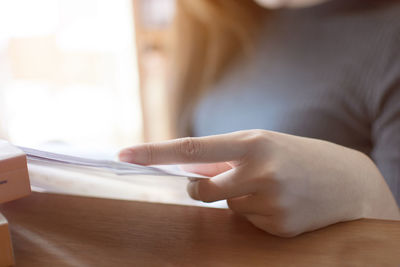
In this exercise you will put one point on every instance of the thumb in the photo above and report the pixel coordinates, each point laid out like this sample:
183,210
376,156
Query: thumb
223,186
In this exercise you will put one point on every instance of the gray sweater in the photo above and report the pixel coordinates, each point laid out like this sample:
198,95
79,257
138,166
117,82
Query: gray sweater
330,72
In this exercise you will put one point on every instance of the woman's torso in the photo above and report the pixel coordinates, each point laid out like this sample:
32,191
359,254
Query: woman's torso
317,72
330,72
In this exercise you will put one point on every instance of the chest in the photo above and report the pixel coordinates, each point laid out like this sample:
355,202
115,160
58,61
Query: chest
292,94
308,78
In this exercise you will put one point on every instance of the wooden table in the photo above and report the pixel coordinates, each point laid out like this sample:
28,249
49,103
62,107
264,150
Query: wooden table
61,230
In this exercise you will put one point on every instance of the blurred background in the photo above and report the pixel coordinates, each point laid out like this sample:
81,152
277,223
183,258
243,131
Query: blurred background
82,75
87,77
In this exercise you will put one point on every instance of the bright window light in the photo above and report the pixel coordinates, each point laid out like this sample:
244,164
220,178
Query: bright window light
69,73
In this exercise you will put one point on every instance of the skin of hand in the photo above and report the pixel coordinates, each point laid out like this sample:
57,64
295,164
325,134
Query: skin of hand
283,184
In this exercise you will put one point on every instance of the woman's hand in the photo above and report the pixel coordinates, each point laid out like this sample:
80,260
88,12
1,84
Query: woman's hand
283,184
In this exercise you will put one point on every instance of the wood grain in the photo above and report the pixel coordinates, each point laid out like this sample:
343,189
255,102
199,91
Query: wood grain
61,230
6,253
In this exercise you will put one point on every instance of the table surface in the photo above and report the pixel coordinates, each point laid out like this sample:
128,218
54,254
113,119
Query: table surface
62,230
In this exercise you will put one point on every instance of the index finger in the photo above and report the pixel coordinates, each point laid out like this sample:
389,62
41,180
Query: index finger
216,148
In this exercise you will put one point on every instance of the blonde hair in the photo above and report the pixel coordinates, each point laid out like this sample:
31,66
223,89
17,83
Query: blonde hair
205,36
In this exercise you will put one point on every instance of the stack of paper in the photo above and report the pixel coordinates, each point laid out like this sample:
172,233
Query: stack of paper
116,167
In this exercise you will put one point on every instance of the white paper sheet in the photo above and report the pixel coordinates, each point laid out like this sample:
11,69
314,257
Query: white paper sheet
116,167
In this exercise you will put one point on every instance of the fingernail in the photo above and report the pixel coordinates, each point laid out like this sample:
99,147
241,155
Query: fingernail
125,155
193,190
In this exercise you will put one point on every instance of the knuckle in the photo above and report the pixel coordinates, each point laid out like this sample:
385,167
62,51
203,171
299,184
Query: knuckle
274,225
287,233
268,178
254,139
189,148
284,228
259,221
283,231
274,175
149,154
273,170
279,207
259,181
